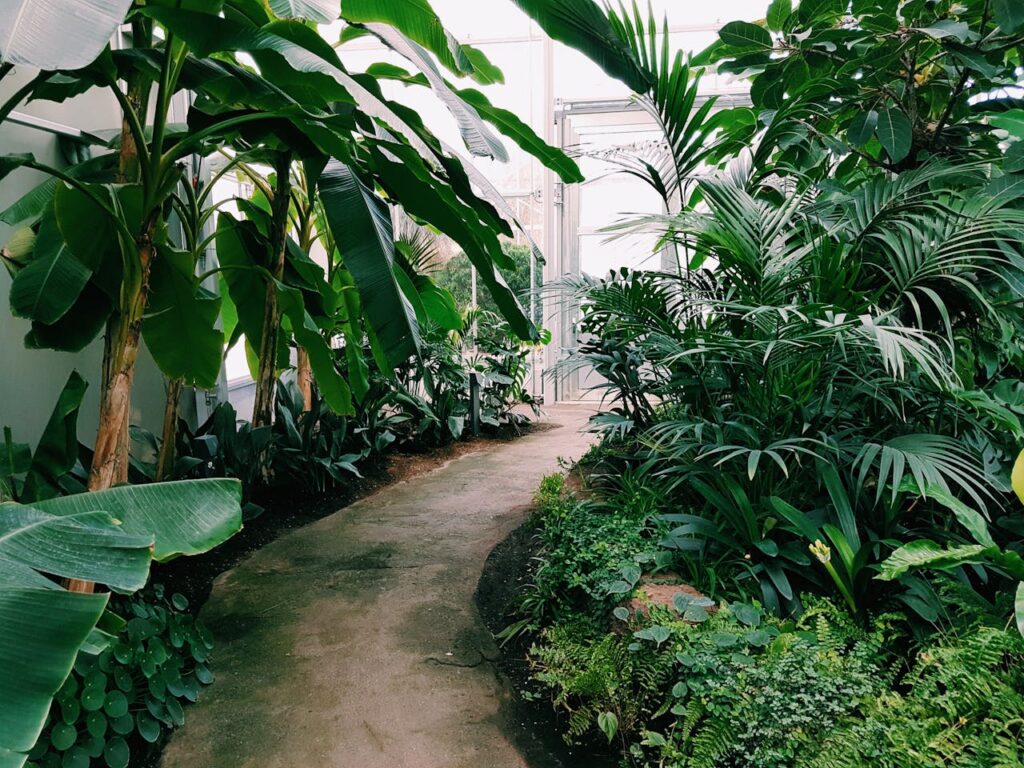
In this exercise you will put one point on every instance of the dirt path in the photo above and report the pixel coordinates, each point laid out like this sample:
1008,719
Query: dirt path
355,643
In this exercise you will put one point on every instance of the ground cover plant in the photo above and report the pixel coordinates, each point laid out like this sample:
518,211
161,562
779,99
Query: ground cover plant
812,418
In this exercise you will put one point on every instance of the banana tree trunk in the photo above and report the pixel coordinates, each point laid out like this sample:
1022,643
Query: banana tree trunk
304,378
121,342
266,379
121,351
168,443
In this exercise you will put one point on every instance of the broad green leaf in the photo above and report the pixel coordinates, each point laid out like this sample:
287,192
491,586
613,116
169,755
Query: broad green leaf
87,544
924,554
57,450
77,328
361,224
946,28
332,385
1011,121
180,326
50,284
312,63
511,126
969,518
1018,607
745,36
321,11
43,630
417,21
814,10
186,517
425,198
583,25
1013,160
778,12
90,233
9,163
476,134
1009,15
895,133
64,35
862,127
609,724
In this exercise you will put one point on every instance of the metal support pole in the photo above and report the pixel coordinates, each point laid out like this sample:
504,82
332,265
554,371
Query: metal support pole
474,403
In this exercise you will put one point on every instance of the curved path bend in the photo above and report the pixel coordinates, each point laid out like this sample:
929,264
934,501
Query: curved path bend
355,642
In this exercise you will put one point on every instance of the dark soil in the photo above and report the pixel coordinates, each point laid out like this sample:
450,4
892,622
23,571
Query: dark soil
532,724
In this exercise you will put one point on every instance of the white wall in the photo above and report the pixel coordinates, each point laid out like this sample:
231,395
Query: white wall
30,380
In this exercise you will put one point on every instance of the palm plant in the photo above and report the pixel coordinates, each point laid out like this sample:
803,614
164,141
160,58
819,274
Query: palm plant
799,385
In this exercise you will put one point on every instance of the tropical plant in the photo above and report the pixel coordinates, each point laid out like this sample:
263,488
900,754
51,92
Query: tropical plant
786,364
107,537
116,704
845,91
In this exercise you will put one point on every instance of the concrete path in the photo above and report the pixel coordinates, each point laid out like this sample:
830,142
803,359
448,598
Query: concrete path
355,642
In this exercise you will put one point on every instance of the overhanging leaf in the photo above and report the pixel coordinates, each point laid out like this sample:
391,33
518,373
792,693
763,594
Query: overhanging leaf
895,133
361,225
187,517
180,326
581,24
64,35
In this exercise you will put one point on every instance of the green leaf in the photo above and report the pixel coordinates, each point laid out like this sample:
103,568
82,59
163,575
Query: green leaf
476,134
43,630
86,544
180,326
1011,121
1017,477
52,281
425,197
1009,15
240,249
57,450
895,133
116,753
321,11
362,229
332,385
583,25
311,64
10,163
187,517
609,724
862,127
924,554
946,28
509,124
745,36
417,21
91,234
969,518
778,12
1018,607
1013,160
819,10
75,32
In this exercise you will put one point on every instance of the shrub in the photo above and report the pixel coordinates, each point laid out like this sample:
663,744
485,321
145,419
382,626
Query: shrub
132,694
583,547
725,689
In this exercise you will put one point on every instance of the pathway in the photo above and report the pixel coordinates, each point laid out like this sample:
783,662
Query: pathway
355,642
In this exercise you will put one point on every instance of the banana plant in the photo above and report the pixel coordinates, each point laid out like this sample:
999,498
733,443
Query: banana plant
106,537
